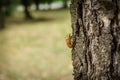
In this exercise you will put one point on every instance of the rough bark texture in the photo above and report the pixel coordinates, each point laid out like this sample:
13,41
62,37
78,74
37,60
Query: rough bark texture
96,39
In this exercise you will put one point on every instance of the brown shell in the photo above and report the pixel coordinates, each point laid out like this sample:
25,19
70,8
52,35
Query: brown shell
69,41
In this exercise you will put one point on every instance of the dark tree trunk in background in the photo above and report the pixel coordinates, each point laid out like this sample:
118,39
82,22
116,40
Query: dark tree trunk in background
65,4
37,4
96,39
2,18
7,7
5,11
26,4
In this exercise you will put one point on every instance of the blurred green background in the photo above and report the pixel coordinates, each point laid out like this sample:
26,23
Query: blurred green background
32,40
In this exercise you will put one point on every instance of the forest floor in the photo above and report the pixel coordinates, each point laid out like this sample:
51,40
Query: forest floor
36,49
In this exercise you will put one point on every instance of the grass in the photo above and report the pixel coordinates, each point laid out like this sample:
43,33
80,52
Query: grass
36,49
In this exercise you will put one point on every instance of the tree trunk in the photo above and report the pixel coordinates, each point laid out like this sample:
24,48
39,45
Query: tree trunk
26,5
37,4
96,39
2,18
65,4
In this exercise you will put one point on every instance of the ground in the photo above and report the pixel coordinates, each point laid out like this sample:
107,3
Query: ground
36,49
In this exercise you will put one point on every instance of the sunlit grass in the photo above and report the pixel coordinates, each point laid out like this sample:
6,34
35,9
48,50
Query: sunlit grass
36,49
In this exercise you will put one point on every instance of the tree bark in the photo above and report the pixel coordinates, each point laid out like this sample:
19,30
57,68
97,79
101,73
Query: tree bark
96,39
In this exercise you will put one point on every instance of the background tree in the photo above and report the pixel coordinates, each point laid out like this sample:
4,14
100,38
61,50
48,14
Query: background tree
5,10
96,39
65,3
37,2
26,4
49,1
2,17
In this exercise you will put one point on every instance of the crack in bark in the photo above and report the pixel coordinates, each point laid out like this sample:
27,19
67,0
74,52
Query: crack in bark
114,21
95,52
